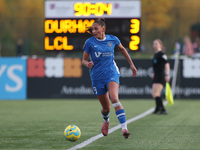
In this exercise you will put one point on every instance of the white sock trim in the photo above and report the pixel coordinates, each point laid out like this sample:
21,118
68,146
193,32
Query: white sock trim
120,115
116,104
124,126
108,120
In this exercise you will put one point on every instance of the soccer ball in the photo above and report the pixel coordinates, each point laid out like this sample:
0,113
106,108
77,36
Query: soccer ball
72,133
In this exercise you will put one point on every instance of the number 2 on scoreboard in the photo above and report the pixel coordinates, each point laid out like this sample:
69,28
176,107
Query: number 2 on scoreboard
135,41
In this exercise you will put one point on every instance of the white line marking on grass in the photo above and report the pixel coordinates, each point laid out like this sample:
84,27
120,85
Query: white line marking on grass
94,138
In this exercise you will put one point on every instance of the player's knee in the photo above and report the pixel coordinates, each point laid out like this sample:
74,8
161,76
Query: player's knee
114,99
106,110
154,95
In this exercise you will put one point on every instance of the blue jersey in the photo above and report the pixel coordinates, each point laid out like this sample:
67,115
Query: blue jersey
102,55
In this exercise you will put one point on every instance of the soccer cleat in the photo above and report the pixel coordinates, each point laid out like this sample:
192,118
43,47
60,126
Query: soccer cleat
160,111
156,110
104,128
126,133
163,112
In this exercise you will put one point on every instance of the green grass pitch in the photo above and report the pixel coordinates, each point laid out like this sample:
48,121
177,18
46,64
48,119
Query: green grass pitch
39,124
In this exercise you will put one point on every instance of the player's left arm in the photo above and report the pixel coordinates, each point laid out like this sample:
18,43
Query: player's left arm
167,72
128,58
167,68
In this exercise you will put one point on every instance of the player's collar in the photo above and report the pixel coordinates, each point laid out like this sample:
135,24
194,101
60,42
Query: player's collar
158,51
102,39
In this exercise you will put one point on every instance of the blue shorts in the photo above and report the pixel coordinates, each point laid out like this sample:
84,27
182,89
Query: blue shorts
100,87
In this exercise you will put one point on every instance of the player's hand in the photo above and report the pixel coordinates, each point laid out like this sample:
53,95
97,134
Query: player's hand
134,70
167,78
90,64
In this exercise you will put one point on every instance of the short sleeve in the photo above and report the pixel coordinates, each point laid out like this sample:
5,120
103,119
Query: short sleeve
86,47
164,57
117,41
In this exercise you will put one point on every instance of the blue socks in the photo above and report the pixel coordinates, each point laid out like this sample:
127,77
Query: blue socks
122,118
120,115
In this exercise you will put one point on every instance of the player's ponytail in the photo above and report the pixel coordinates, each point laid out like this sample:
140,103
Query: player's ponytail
101,22
89,30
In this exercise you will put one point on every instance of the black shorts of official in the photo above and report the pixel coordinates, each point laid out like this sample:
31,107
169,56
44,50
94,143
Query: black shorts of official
159,80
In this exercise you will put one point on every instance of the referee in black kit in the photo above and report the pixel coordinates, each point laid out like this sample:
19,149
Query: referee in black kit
161,70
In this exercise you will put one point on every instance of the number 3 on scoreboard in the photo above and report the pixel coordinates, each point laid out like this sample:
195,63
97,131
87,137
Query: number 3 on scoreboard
135,26
135,41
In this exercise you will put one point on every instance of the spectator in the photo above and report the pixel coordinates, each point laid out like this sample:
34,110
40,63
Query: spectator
195,36
188,49
177,49
196,46
19,47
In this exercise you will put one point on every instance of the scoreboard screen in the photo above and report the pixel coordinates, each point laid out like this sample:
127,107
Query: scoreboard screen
66,22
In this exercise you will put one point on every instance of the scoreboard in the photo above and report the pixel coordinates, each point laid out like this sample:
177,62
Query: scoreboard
66,22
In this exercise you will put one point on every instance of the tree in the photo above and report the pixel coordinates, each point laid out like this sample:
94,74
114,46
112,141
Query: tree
21,19
156,14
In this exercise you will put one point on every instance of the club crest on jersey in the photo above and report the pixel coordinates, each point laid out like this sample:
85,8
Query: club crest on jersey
97,54
109,44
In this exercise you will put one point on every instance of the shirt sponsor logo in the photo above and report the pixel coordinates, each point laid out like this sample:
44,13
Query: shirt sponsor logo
107,54
97,54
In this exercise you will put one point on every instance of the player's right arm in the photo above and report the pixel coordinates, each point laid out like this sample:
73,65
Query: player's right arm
85,61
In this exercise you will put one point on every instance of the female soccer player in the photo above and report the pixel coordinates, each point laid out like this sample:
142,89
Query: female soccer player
160,76
104,72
